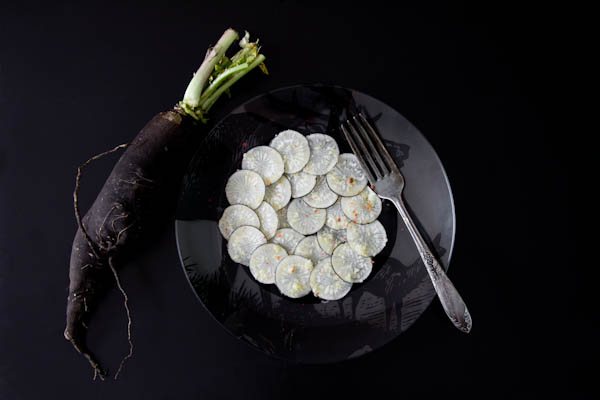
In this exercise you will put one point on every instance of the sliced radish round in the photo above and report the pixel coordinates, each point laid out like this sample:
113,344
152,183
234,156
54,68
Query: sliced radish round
326,284
321,196
264,261
279,193
324,153
242,243
367,239
329,238
265,161
245,187
282,217
336,219
363,208
309,248
304,218
349,265
302,183
235,216
292,276
347,178
288,239
268,219
294,149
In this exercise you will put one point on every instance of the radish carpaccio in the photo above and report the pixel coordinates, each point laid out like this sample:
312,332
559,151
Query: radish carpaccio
140,193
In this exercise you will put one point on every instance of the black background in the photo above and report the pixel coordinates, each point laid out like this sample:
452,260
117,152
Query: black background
481,83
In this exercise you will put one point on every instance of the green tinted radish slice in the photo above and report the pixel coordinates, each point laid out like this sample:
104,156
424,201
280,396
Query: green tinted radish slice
294,149
309,248
269,222
235,216
329,238
265,161
282,217
324,153
336,219
288,239
302,183
326,284
264,261
242,243
292,276
367,239
349,265
347,178
304,218
279,193
363,208
321,196
245,187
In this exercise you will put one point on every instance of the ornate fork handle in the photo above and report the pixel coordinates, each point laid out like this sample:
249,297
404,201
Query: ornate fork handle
450,298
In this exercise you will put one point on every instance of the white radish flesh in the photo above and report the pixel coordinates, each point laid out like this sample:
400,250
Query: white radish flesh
326,284
304,218
329,238
269,222
246,188
242,243
279,193
294,149
235,216
321,196
367,239
288,239
282,217
336,219
292,276
309,248
302,183
265,161
324,153
347,178
363,208
349,265
264,261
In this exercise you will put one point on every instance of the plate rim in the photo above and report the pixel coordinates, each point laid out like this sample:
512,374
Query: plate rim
444,174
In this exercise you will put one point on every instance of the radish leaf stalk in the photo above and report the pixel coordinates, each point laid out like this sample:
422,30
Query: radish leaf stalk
218,72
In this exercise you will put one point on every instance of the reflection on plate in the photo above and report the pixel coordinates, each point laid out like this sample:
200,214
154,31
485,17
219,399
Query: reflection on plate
307,329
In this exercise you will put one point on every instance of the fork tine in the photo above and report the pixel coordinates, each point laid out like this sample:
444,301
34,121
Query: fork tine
382,149
384,169
354,148
365,152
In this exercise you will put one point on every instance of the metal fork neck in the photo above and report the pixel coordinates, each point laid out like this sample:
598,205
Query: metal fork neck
451,300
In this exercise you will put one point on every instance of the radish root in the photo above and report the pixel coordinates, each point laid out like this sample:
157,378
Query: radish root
125,303
98,372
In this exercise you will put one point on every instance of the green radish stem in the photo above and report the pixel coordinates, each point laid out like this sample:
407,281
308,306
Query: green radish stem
213,55
218,72
211,100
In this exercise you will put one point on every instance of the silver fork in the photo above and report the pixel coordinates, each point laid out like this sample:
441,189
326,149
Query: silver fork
387,180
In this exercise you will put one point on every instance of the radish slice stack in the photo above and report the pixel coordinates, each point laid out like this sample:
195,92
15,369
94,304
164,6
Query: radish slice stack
302,217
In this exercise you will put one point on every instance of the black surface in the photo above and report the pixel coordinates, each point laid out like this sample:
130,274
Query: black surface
482,84
307,330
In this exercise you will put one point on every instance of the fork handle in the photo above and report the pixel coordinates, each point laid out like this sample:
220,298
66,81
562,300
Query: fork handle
451,301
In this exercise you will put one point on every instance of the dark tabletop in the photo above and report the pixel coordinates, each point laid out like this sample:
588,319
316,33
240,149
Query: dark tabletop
479,82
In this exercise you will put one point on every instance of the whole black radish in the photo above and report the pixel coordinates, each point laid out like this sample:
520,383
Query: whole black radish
140,193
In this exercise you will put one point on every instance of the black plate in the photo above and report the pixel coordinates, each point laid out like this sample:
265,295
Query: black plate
307,330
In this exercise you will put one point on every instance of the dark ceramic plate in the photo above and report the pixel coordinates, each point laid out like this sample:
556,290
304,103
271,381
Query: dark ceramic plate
307,330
